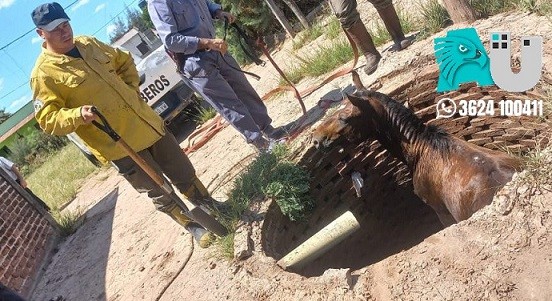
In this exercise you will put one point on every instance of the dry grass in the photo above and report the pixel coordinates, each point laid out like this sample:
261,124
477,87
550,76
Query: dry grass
68,221
59,178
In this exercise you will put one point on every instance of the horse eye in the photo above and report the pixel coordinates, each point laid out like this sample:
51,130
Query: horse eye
462,48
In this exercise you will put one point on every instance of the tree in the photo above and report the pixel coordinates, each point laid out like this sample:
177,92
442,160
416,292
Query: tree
4,115
459,10
146,18
133,19
119,30
279,14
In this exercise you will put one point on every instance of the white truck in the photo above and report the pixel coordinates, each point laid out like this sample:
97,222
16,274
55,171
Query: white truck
160,85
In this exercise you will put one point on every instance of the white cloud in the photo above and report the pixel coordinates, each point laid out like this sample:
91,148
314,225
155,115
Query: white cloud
99,7
36,40
18,103
78,5
6,3
110,29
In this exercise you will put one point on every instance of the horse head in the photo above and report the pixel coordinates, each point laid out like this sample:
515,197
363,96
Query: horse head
352,123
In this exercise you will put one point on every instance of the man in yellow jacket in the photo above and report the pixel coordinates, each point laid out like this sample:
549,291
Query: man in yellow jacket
73,74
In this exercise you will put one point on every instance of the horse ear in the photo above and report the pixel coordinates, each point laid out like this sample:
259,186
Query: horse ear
356,80
356,101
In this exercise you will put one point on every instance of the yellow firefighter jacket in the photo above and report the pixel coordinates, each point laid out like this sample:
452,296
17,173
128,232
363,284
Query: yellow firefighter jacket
105,77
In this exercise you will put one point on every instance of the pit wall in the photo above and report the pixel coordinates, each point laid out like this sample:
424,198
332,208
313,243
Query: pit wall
27,235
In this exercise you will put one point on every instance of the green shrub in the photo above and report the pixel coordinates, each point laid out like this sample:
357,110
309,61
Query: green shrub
271,175
58,179
68,222
321,61
333,29
204,114
32,150
289,187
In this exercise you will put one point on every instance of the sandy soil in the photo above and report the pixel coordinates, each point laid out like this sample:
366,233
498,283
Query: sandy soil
125,250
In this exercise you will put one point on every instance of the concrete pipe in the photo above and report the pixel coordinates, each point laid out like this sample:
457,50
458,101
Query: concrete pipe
322,241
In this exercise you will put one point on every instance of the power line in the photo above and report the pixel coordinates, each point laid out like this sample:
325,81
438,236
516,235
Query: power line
74,2
116,16
12,91
4,95
14,61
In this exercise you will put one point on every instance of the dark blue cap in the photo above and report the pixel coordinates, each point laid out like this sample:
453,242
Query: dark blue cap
48,16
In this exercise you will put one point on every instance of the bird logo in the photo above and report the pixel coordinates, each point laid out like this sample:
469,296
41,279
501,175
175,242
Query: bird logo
461,58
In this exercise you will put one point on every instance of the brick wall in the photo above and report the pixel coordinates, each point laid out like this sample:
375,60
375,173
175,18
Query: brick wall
27,236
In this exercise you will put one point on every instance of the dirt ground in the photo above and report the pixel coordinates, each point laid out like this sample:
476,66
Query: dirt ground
125,250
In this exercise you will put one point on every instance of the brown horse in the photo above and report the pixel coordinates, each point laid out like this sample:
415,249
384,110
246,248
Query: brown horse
452,176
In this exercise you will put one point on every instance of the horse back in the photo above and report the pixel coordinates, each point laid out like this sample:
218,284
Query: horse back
480,173
463,180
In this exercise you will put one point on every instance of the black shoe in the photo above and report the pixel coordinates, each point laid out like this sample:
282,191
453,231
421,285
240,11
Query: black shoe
214,205
272,133
261,144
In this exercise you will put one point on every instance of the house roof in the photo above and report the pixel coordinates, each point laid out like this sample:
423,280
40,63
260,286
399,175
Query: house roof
127,36
16,121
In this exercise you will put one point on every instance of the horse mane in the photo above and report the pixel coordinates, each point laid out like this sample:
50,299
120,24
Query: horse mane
407,124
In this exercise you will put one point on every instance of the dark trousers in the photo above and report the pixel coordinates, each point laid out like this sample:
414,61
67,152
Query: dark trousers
7,294
228,91
165,157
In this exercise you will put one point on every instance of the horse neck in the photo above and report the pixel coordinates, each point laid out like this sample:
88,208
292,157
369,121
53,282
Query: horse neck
405,143
392,136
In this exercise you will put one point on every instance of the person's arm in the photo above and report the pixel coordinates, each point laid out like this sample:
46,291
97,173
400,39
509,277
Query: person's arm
161,15
217,12
50,111
22,181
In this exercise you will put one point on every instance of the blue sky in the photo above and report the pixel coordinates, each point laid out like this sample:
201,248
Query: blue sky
88,17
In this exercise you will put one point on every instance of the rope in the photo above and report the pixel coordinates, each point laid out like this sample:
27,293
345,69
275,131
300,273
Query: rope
179,270
255,76
311,89
202,135
208,130
290,87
